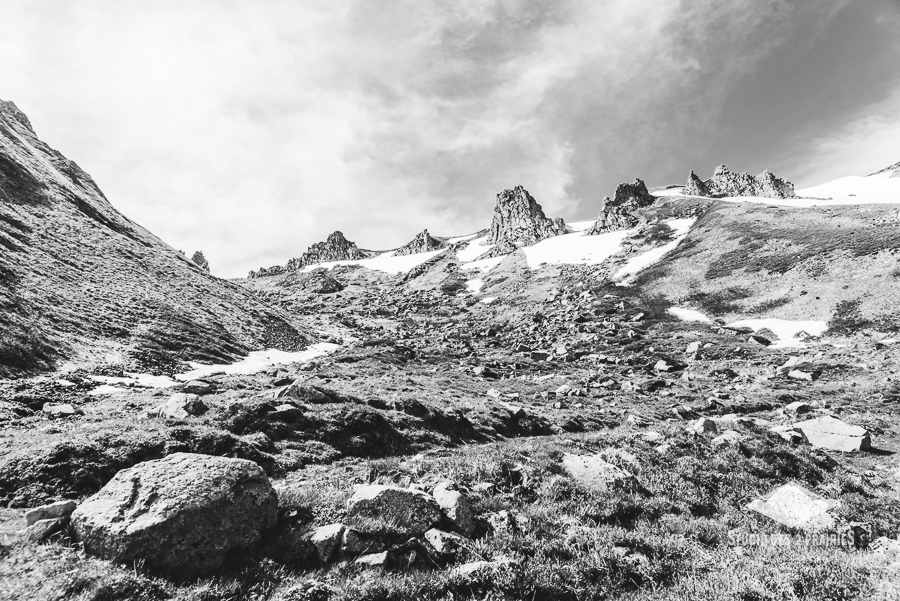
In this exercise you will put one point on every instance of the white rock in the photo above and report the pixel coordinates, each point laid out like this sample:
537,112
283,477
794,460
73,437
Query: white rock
456,507
831,433
796,507
60,509
594,472
327,540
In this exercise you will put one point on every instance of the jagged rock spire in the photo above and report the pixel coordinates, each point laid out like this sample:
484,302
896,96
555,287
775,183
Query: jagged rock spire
520,221
618,213
726,182
335,248
422,243
201,261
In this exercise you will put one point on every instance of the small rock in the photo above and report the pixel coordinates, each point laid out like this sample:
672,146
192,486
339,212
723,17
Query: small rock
327,540
60,509
198,387
796,507
797,408
692,348
831,433
796,374
61,410
455,507
563,390
356,542
375,508
539,355
373,560
594,472
703,427
445,543
41,530
726,438
181,406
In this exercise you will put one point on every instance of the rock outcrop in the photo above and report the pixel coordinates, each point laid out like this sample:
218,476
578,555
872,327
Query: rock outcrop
519,221
726,182
335,248
892,171
619,212
181,515
201,261
422,243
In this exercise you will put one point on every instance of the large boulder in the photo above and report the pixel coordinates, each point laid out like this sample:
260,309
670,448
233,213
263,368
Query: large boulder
181,515
391,510
831,433
456,507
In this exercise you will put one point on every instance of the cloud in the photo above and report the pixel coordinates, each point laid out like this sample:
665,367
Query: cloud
251,130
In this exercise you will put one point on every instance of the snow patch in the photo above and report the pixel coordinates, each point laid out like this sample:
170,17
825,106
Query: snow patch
484,265
257,361
786,330
668,192
475,285
475,249
575,249
461,238
688,314
580,226
385,262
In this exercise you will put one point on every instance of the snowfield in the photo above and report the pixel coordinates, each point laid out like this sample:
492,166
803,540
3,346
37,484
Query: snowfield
254,362
385,262
575,249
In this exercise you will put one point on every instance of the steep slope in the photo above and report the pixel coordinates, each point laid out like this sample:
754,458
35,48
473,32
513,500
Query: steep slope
80,282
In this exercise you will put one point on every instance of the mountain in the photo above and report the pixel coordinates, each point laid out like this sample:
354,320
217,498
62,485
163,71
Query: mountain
334,248
520,221
618,213
80,283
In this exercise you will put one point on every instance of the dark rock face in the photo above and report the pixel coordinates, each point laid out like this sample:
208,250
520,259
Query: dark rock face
422,243
892,171
519,220
726,182
618,213
335,248
182,515
201,261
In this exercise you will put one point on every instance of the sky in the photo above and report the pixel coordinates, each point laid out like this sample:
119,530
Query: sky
250,130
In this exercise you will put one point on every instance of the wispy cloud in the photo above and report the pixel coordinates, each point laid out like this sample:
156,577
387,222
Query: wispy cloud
251,130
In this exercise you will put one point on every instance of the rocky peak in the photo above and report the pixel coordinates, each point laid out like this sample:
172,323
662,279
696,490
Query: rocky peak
726,182
695,186
520,221
8,107
619,213
335,248
201,261
422,243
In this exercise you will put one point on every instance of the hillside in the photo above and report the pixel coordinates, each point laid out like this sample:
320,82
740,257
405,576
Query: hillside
84,285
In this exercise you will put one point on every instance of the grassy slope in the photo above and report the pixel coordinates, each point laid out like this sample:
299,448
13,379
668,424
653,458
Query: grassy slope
744,260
